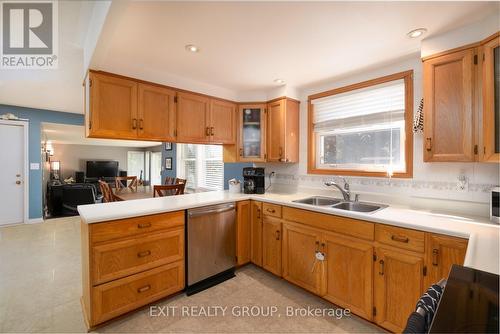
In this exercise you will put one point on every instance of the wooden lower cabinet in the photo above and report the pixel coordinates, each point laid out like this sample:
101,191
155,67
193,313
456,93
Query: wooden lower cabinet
442,252
300,265
349,273
271,244
243,214
256,233
398,284
126,294
129,263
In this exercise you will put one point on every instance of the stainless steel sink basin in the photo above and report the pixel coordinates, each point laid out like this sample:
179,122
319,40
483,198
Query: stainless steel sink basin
358,206
319,201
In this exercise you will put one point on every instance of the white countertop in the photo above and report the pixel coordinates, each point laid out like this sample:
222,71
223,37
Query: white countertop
482,251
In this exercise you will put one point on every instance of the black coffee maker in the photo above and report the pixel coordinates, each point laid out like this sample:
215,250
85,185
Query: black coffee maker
254,180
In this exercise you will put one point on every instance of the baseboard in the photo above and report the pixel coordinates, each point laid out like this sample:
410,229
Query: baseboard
35,221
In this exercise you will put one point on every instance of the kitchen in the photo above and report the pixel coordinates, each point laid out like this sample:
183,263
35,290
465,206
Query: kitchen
349,195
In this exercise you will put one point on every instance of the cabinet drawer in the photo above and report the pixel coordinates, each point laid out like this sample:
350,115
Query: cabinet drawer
120,296
122,228
271,210
400,237
118,259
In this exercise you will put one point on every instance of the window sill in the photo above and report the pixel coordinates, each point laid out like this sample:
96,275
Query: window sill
346,172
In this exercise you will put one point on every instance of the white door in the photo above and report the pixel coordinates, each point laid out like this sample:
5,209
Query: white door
12,174
155,168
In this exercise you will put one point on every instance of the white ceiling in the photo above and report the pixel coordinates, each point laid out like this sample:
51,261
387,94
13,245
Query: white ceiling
246,45
74,134
56,89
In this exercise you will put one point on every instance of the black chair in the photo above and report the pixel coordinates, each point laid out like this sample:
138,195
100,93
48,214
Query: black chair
77,194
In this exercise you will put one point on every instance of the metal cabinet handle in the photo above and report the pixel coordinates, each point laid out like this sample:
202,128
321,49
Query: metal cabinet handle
143,225
281,152
317,246
144,254
134,123
400,238
428,143
381,270
435,254
271,210
18,182
207,131
241,152
278,235
212,131
144,288
141,124
258,213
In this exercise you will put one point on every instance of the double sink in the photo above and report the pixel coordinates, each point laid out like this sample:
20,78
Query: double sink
336,203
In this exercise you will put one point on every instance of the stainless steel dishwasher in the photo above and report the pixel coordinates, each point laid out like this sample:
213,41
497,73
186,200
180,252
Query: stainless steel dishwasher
211,246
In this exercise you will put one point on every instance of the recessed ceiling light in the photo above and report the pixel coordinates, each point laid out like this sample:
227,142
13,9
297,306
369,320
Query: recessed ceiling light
279,81
416,32
192,48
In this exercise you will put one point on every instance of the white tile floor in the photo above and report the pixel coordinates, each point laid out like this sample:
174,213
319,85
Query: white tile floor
40,288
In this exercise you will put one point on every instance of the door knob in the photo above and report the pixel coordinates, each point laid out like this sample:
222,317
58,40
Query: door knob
18,182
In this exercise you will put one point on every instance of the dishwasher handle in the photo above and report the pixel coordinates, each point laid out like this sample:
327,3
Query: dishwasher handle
210,211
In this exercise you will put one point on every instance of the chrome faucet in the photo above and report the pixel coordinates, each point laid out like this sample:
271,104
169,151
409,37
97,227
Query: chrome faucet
346,191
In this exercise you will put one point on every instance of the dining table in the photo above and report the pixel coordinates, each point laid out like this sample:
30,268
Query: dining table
127,193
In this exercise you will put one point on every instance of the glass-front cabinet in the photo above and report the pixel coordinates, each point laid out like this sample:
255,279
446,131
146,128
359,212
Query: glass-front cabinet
491,105
252,125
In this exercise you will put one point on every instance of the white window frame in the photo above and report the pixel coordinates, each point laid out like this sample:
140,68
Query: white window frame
200,168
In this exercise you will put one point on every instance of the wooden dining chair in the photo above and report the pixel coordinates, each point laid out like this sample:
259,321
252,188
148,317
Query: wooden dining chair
123,182
107,193
168,190
173,180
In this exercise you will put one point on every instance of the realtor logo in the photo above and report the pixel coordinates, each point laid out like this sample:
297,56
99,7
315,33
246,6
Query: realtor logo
29,34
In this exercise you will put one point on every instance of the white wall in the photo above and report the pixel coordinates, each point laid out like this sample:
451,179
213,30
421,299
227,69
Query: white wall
73,157
430,180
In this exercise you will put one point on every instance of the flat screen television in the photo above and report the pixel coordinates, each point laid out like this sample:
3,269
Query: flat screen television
102,168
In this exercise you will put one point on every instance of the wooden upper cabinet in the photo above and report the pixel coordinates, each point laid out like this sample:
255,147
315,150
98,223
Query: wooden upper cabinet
251,133
193,118
222,122
491,100
300,265
256,233
243,232
271,244
448,107
398,284
442,252
113,107
156,113
283,131
349,273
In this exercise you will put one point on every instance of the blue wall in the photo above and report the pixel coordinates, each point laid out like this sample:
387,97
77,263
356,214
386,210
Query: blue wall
37,116
168,154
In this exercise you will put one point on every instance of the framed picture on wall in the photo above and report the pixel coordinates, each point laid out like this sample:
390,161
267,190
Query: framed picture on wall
168,146
168,163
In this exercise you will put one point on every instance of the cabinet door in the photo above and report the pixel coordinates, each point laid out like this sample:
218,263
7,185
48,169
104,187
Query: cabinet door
156,113
448,107
398,283
291,131
256,233
441,253
252,133
222,122
349,273
243,232
271,244
300,265
113,107
192,118
491,100
276,130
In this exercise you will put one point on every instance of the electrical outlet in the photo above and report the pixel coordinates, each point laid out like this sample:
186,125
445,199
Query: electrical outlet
462,183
